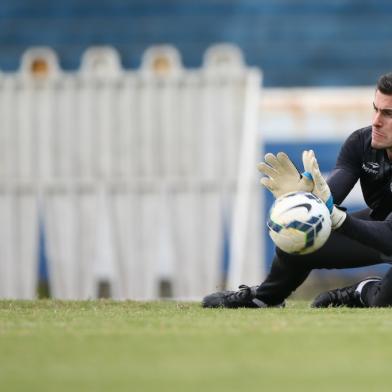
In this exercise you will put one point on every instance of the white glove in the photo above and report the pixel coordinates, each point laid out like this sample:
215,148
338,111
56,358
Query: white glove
282,176
321,188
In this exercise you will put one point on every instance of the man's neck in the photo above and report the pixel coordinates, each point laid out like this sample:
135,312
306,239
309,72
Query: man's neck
389,153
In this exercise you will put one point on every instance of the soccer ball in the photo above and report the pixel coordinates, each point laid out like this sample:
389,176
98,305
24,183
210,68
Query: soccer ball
299,223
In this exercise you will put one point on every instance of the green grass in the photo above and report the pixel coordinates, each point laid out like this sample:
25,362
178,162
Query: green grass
167,346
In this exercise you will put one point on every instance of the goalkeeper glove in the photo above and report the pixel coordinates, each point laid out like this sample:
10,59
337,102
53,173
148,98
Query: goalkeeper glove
282,176
321,188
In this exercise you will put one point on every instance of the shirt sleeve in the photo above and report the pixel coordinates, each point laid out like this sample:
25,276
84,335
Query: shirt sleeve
375,234
347,170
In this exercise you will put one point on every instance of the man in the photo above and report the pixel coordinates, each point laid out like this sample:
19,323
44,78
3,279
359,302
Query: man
359,239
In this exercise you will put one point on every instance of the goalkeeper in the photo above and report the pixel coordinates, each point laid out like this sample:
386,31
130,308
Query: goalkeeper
359,239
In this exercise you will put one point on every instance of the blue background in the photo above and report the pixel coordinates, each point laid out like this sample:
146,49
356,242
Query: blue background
295,42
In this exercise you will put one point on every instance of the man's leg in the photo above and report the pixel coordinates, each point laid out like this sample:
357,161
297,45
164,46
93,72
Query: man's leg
370,292
288,272
377,293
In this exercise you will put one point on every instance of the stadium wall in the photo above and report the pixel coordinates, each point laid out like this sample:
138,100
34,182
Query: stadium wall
296,43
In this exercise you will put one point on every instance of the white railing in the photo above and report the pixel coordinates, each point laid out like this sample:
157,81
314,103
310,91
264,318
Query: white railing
135,174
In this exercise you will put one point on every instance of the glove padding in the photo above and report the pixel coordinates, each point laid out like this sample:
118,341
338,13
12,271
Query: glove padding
282,176
321,188
337,218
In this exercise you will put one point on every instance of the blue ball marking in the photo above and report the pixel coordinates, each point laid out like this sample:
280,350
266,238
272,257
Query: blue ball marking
310,228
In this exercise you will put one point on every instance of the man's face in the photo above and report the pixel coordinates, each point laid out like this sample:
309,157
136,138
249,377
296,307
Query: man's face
382,121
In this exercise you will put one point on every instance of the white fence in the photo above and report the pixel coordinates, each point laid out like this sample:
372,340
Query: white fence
135,175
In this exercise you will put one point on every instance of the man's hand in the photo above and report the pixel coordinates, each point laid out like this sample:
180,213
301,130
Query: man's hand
282,176
321,188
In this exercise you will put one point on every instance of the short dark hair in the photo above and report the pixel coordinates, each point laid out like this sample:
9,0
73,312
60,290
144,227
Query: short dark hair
384,84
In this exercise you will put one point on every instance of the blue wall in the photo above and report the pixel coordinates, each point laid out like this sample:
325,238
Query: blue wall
295,42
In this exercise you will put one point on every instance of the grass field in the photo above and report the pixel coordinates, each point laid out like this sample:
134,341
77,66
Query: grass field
167,346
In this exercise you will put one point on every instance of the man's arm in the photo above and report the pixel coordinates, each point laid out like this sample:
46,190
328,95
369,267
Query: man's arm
348,168
375,234
341,181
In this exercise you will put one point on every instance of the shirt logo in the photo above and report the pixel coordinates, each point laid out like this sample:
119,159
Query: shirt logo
371,167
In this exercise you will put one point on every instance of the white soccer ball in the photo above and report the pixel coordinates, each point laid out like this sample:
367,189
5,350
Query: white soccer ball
299,223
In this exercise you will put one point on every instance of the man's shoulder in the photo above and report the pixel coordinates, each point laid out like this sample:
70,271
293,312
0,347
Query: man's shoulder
357,144
365,131
362,135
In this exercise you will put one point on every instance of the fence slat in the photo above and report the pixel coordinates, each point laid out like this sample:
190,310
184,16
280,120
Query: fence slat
18,242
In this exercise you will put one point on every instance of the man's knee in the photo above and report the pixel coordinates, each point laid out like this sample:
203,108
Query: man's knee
295,260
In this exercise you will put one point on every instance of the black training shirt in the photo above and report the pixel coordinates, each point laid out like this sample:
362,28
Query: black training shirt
358,160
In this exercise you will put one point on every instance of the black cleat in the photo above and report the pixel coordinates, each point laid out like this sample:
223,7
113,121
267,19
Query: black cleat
245,297
349,296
